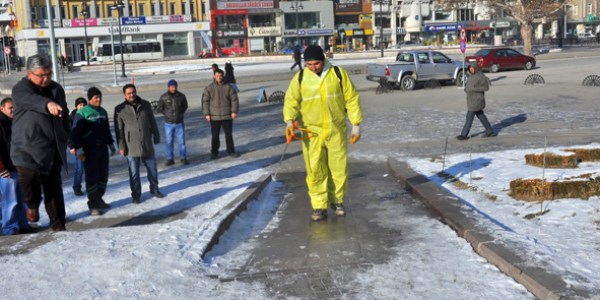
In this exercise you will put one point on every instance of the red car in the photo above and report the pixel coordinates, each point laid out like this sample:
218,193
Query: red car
496,59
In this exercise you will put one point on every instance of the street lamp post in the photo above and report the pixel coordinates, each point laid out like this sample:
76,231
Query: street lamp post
296,6
84,13
112,46
381,44
119,6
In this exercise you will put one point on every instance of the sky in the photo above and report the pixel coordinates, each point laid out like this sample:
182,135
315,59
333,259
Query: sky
163,259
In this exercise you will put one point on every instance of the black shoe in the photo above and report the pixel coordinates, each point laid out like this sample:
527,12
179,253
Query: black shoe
157,194
491,134
234,155
27,230
462,137
58,227
169,162
103,205
136,200
214,156
319,215
78,193
184,161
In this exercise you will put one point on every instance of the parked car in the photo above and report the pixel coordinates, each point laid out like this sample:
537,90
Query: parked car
416,66
496,59
94,60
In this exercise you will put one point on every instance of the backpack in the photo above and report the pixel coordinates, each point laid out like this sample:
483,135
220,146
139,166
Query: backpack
337,73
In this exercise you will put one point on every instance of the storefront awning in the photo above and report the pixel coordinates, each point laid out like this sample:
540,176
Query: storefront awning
478,28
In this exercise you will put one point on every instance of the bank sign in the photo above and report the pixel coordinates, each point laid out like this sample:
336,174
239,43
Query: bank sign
443,27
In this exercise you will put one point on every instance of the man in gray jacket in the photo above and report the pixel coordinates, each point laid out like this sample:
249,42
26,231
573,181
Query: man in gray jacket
220,106
40,132
136,129
173,105
475,88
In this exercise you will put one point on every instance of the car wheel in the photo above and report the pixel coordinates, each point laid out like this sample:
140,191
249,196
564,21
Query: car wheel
494,68
528,65
460,78
407,83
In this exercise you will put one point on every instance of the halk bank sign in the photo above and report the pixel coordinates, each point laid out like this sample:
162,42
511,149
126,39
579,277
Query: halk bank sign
244,4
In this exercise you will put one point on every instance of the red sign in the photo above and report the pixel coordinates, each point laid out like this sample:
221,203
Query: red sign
6,50
463,35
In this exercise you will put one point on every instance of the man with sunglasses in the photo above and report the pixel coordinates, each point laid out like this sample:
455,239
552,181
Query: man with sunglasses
39,140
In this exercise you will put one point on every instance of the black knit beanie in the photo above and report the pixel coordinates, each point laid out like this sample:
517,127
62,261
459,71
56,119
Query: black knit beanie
313,52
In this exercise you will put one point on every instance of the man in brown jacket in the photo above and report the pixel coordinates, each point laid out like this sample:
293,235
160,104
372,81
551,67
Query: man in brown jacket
220,106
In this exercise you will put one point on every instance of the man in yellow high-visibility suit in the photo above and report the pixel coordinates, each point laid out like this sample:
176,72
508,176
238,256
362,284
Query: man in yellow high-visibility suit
322,94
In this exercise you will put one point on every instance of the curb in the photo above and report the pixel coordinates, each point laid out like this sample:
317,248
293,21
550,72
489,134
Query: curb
540,282
234,208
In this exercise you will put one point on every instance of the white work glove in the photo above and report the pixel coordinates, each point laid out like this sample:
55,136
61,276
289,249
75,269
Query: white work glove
80,154
355,134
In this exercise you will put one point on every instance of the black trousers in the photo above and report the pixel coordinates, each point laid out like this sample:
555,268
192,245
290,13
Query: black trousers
297,63
215,128
32,182
96,171
469,122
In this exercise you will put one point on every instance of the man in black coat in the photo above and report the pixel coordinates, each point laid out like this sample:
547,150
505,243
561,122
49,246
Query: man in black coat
173,105
40,134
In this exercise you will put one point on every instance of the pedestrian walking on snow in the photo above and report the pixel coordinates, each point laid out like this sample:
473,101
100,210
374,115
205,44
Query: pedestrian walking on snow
136,130
475,88
322,97
173,105
91,141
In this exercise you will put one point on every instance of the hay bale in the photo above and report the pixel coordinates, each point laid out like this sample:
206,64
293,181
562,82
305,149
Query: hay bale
585,155
552,160
538,190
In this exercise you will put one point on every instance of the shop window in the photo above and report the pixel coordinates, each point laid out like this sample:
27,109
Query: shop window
172,9
141,9
75,10
266,20
34,13
443,16
305,20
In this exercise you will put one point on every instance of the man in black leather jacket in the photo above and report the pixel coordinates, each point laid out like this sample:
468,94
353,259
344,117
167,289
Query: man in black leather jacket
173,105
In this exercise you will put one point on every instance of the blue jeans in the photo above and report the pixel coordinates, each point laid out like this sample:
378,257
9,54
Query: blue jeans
134,174
13,206
77,175
177,131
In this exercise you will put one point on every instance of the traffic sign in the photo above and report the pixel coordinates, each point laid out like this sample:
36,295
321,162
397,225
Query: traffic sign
463,46
463,35
7,50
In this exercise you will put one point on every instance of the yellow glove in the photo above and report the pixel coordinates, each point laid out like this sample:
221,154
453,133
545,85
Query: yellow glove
355,134
80,154
289,131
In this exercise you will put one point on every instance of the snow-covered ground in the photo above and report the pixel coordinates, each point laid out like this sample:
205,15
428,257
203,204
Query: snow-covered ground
564,239
162,259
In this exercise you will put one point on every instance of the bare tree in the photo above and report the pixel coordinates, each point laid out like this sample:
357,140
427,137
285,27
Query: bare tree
526,12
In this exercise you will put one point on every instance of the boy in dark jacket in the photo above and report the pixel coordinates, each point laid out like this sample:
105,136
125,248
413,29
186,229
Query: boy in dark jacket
90,141
173,105
78,173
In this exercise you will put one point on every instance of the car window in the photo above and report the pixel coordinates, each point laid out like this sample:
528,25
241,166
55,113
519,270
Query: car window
501,52
512,52
440,58
483,52
405,57
423,58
